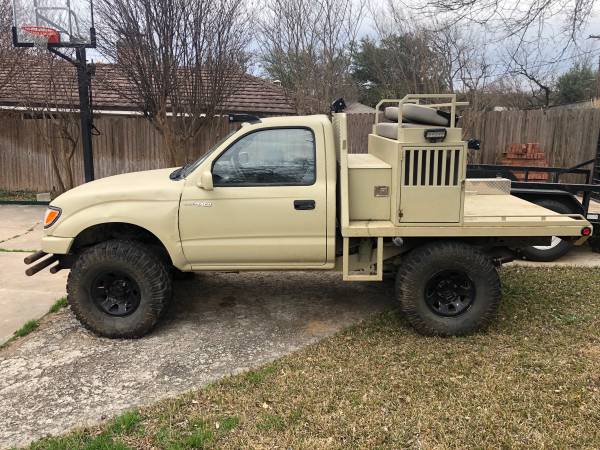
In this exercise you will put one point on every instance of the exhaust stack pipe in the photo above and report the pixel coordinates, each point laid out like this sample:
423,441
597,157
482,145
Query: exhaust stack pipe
34,257
56,268
41,265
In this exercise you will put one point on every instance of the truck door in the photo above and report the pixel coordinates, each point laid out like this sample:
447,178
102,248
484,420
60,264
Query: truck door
268,204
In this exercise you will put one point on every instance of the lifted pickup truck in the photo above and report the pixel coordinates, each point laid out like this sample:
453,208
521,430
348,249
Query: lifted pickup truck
284,194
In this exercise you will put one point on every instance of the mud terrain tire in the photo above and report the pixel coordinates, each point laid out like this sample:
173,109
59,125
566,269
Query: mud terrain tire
448,289
119,289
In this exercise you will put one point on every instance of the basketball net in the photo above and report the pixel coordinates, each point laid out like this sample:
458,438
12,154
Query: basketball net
40,37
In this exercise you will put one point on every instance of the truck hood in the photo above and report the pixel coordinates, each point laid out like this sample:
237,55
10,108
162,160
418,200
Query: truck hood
151,185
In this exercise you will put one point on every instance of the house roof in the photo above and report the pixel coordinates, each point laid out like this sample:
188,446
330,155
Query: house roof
359,108
30,87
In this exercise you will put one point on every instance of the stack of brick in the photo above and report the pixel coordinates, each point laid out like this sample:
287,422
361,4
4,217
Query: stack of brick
526,155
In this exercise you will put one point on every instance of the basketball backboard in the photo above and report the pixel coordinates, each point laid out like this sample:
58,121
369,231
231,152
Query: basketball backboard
53,23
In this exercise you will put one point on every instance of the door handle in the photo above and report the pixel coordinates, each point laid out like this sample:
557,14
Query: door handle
303,205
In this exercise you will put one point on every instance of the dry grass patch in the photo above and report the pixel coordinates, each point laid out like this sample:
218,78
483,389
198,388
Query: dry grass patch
17,195
532,380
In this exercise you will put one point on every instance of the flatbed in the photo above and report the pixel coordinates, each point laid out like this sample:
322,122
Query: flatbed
482,215
563,197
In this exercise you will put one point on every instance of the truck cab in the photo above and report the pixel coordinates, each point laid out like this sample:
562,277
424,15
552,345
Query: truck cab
284,194
265,199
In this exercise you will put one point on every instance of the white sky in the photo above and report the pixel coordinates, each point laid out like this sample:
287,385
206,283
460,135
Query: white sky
551,56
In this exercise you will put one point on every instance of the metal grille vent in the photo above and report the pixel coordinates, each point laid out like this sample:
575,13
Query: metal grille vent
431,167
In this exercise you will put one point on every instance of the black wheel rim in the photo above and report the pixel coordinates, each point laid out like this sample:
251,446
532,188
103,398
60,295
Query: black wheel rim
115,293
450,293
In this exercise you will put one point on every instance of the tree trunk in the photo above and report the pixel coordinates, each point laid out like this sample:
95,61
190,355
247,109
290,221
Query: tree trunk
56,170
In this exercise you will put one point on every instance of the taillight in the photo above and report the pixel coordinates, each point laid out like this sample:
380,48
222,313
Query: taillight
586,231
51,216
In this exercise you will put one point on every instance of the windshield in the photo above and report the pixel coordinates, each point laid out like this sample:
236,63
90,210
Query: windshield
189,168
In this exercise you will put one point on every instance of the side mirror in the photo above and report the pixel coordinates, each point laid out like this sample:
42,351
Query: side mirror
474,144
206,181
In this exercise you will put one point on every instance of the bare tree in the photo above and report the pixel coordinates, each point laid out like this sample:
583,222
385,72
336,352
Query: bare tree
517,18
465,61
9,56
413,58
182,60
307,45
528,65
47,89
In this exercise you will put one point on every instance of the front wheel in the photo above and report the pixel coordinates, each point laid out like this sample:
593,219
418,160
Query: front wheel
119,289
448,289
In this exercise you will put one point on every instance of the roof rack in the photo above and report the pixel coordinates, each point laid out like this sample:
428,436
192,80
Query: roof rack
415,98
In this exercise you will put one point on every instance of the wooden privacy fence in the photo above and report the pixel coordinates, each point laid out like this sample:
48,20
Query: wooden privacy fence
566,136
127,144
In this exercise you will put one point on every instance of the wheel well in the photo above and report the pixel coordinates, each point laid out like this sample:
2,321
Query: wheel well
119,230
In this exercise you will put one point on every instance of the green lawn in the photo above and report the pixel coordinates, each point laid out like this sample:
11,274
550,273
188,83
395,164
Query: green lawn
532,380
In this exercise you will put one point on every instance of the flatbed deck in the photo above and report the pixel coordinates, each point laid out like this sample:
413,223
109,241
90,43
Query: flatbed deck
484,215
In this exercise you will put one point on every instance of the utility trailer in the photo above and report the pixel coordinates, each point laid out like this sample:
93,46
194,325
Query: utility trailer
284,194
556,195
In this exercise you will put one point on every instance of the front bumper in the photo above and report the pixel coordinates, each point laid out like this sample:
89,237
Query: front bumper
54,250
56,245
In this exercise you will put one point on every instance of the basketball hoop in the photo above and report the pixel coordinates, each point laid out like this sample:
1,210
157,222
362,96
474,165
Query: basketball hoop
42,36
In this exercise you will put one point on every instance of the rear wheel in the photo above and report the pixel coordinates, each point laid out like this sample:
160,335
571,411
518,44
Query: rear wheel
558,247
119,289
448,289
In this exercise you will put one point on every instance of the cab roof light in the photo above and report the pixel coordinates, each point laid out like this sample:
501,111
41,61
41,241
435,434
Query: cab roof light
249,118
435,134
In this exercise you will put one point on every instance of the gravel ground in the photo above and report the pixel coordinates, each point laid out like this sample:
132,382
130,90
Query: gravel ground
62,376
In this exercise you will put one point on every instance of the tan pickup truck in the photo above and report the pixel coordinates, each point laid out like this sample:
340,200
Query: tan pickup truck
284,194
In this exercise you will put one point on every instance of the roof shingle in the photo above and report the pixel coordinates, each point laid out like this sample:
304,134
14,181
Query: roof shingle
30,88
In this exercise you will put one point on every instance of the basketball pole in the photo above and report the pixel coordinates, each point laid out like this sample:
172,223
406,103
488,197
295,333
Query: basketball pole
85,112
84,83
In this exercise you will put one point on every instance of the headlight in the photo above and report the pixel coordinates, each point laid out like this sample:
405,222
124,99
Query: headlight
51,216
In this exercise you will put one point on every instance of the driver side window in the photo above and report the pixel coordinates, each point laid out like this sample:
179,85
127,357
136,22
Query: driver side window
273,157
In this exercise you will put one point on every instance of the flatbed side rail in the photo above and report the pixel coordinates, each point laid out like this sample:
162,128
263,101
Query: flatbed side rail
537,217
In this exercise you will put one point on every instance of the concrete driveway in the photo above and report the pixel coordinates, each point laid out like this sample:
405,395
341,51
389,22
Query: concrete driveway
21,226
23,298
62,376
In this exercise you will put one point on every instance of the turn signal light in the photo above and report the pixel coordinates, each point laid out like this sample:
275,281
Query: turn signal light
586,231
51,216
